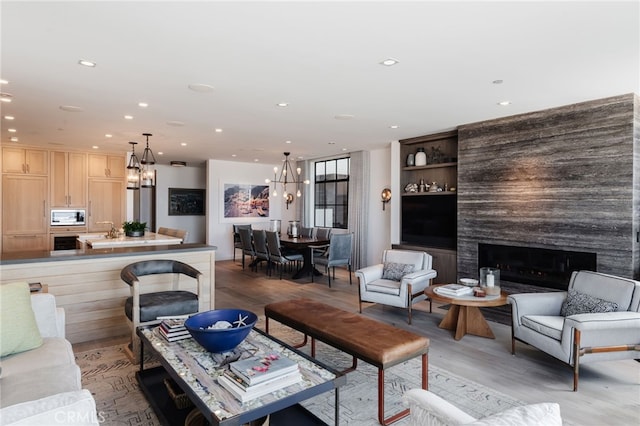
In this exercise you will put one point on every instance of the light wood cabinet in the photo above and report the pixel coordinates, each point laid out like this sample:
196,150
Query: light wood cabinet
25,161
108,166
24,212
106,203
68,179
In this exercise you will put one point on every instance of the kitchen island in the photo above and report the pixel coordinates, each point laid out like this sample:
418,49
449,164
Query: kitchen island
148,239
87,284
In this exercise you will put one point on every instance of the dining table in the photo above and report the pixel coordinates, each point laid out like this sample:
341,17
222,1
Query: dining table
305,246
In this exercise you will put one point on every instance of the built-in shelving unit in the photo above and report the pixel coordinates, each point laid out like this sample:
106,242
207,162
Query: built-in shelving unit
429,218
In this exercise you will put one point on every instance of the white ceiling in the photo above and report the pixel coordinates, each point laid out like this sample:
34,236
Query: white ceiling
320,57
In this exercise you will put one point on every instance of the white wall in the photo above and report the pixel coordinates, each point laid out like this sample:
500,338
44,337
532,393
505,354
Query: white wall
379,236
220,230
180,177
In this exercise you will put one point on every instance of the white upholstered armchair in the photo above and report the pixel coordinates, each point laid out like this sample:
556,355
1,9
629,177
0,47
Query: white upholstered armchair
598,319
391,283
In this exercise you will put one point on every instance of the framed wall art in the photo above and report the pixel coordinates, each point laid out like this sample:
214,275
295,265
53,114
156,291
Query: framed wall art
245,201
186,202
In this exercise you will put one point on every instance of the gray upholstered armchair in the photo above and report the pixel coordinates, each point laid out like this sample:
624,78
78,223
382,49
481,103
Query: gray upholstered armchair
607,329
384,283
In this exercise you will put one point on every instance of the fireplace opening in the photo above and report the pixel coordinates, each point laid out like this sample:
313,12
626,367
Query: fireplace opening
535,266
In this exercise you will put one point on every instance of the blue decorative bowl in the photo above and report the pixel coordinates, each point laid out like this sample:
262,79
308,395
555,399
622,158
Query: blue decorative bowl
225,339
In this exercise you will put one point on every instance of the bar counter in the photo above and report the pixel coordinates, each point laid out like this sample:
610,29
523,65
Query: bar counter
87,284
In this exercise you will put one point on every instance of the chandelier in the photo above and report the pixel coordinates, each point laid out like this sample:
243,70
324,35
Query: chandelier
287,177
133,169
148,173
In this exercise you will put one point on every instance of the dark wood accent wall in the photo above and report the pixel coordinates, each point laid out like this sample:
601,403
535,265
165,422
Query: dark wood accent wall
565,178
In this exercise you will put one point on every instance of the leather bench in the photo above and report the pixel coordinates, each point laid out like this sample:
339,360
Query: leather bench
374,342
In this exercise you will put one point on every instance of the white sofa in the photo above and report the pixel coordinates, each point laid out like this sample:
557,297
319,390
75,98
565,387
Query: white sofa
42,386
428,409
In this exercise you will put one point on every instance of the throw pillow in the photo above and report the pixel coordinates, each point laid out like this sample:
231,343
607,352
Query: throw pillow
18,328
395,271
545,413
580,303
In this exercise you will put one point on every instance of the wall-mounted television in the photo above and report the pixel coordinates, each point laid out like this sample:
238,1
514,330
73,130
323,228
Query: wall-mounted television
430,221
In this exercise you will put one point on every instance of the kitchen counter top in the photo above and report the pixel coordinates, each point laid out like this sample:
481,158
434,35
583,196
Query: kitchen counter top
148,239
14,258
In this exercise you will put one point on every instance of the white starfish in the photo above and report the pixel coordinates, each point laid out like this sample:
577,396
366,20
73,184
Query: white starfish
240,321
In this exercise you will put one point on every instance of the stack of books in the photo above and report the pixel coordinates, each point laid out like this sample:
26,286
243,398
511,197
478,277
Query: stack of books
454,290
254,377
173,329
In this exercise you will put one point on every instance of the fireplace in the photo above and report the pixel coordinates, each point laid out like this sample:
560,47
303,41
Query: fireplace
535,266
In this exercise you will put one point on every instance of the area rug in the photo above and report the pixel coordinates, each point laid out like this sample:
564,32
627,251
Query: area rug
109,375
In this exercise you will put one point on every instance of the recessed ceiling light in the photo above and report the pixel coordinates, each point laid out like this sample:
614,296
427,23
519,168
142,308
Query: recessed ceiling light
202,88
6,97
143,104
394,126
332,143
287,141
178,163
389,62
497,81
95,147
160,153
256,160
71,108
11,130
218,130
87,63
183,144
344,117
233,155
504,103
9,117
14,139
108,135
3,81
282,104
128,117
175,123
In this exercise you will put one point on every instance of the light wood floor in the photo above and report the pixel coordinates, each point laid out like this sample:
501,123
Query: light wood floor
609,392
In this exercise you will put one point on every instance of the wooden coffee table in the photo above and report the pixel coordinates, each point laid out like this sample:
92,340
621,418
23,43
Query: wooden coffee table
464,315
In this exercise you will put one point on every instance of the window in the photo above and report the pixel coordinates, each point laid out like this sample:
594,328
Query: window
331,204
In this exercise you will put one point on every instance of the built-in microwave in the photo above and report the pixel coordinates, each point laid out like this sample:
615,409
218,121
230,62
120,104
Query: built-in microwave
67,217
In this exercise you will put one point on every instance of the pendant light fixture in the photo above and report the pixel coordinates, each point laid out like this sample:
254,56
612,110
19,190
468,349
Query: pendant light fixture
133,169
148,174
287,177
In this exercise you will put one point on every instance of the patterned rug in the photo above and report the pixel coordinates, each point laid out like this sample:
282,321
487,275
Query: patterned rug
109,375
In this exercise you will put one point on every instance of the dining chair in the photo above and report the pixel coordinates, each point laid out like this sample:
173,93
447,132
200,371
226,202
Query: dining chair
261,250
306,232
237,244
323,233
276,255
339,254
247,244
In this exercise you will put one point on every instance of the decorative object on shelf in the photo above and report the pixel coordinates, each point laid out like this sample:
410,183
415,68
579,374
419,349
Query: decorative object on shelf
423,187
469,282
289,199
433,187
287,177
411,187
133,169
134,228
220,339
490,280
148,173
421,157
386,196
411,160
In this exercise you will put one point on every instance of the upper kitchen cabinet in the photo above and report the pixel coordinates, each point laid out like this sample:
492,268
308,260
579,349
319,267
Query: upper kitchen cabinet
106,166
68,179
106,204
25,161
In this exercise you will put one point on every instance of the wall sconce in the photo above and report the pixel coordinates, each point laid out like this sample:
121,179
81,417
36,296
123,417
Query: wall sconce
289,199
386,196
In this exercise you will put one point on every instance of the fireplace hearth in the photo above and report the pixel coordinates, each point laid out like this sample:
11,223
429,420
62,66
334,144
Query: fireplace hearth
547,268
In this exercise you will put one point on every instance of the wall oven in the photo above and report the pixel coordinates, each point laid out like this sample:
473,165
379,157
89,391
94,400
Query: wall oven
66,225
